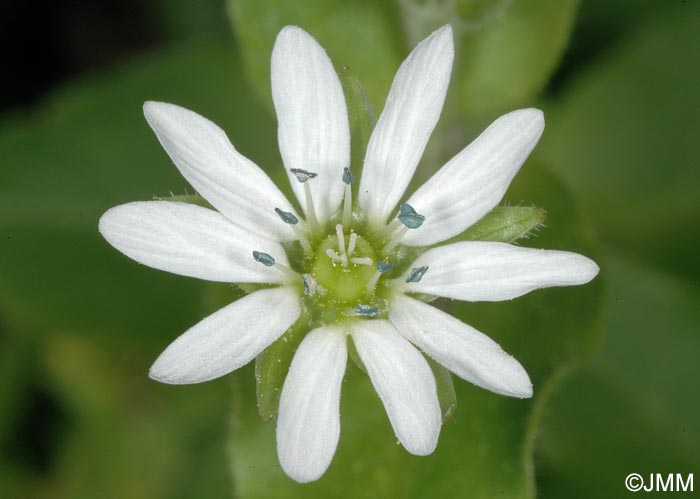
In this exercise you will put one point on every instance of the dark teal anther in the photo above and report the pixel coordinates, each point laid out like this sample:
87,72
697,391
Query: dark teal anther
409,217
264,258
303,175
287,217
366,310
417,274
348,177
384,266
310,284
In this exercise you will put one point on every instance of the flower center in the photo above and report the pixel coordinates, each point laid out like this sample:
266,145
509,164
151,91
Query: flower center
342,276
344,265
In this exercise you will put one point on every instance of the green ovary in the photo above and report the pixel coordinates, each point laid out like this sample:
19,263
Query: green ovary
344,284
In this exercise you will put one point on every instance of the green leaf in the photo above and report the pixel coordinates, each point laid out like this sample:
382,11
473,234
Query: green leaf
87,150
634,406
362,35
506,224
124,431
506,50
80,323
624,136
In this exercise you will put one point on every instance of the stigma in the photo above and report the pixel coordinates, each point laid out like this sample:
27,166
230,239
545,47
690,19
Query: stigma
344,255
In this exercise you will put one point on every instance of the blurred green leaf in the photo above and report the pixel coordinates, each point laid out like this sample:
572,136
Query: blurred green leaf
130,437
362,35
634,407
81,323
89,149
506,50
624,136
180,21
487,448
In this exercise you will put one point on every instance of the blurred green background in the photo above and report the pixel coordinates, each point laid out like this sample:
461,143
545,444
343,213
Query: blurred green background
615,363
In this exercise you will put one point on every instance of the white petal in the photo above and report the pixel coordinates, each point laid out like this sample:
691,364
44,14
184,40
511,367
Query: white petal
405,384
229,338
313,133
469,354
475,180
489,271
308,427
233,184
189,240
410,114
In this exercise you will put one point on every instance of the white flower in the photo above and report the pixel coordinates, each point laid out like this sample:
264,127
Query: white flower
360,270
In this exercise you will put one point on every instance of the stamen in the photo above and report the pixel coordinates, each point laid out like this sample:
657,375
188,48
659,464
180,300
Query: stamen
366,310
395,239
269,261
410,220
388,229
289,218
303,176
409,217
417,274
383,266
310,210
347,205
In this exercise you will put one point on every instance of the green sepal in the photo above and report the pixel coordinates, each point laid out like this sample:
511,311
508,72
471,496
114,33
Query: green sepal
505,224
445,390
186,198
271,368
355,356
251,287
361,116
